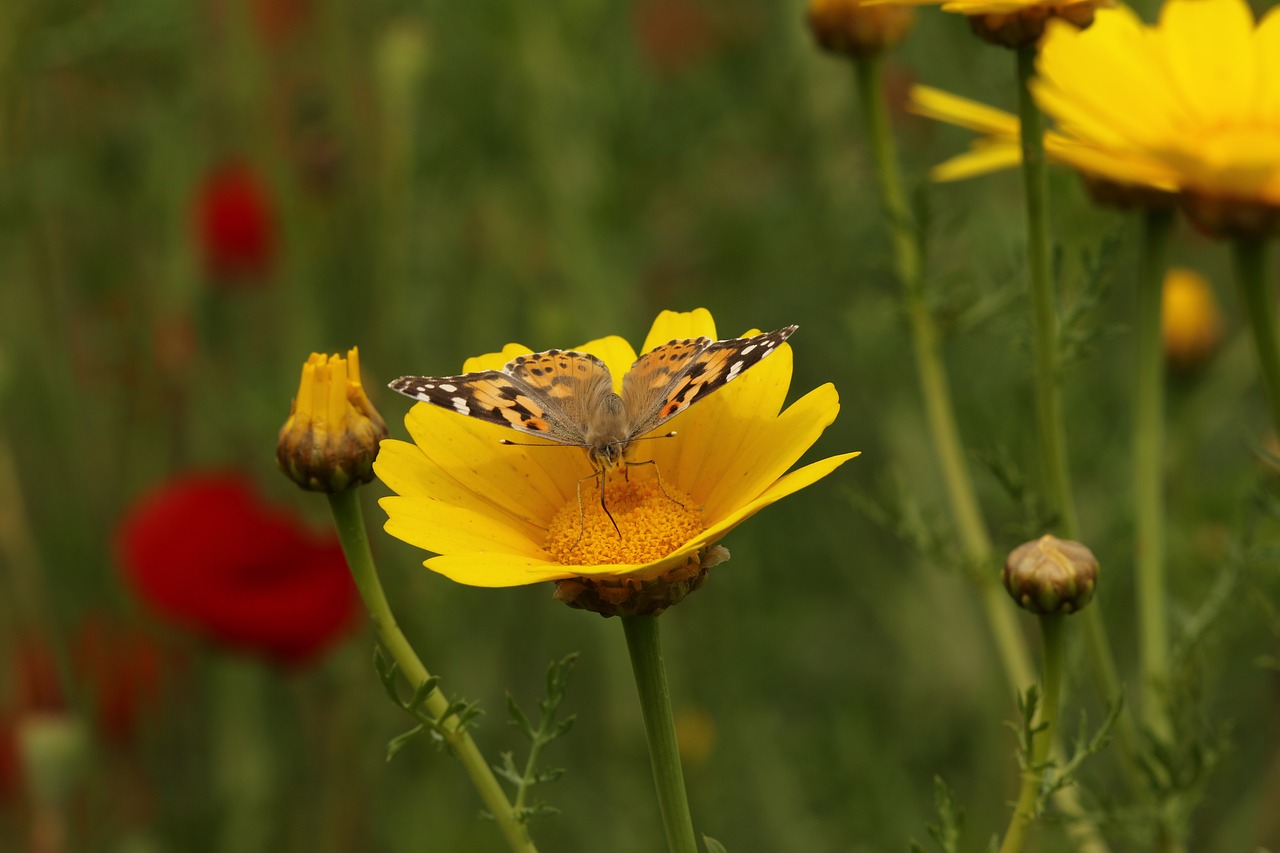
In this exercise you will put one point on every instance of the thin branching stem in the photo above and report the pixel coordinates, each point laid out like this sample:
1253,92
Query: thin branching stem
1041,738
1148,469
935,386
349,520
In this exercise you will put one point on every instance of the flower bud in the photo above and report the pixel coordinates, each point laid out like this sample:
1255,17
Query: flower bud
852,27
1051,576
330,440
1190,321
1223,216
1026,25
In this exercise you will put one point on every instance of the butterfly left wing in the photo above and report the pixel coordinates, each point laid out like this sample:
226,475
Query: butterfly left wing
489,395
551,394
669,379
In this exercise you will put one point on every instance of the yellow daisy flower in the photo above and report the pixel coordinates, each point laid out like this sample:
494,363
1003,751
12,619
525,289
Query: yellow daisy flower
505,515
1190,106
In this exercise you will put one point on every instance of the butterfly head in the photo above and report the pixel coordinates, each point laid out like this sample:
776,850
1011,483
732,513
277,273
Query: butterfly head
607,436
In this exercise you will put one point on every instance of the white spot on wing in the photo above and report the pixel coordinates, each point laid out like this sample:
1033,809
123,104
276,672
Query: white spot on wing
734,370
747,349
449,388
460,405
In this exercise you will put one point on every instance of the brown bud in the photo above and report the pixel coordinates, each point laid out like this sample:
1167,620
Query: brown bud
1221,216
1051,576
854,28
1026,26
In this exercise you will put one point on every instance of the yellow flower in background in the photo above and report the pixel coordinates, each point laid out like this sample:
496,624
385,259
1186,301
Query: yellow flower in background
1191,324
1190,106
331,437
504,515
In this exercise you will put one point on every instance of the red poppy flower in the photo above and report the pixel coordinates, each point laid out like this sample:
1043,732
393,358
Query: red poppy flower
205,551
235,225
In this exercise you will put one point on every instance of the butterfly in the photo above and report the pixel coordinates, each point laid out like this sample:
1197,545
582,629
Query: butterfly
568,396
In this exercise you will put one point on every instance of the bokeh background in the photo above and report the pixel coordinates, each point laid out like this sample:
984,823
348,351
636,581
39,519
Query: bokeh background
196,195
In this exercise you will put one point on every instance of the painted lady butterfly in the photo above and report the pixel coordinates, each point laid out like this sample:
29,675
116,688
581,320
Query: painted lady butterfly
568,396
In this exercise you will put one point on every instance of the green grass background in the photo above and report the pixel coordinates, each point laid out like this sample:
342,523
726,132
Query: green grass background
548,178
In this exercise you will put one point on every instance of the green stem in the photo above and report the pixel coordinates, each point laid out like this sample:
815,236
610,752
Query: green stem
935,387
349,519
1048,386
644,642
1148,464
1251,263
1024,813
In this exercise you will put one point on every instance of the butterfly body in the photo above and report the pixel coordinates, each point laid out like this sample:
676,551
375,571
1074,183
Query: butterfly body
568,397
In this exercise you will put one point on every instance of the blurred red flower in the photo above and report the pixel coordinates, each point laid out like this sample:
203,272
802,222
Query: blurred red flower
236,225
673,35
205,551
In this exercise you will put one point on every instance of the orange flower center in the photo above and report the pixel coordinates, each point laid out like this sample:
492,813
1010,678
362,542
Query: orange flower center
653,520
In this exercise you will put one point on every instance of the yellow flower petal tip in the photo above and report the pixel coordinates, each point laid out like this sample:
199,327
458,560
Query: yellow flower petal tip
331,437
506,514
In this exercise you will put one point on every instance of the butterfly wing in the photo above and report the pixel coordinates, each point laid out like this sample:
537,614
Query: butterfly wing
545,394
669,379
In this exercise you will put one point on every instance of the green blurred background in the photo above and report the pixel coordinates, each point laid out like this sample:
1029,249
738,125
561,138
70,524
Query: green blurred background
446,177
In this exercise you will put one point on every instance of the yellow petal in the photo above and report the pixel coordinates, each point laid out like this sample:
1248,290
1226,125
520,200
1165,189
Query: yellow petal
769,450
442,528
710,433
408,472
1103,85
979,161
495,570
953,109
790,484
615,352
494,360
526,481
678,325
1267,48
1208,51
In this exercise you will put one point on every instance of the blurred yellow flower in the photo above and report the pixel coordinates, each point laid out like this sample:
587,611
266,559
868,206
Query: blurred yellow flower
331,436
504,515
1191,323
1190,106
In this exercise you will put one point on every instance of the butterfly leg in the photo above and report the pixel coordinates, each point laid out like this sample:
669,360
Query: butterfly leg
582,519
657,474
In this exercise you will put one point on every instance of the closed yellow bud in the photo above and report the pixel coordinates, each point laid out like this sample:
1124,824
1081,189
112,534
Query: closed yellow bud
331,438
